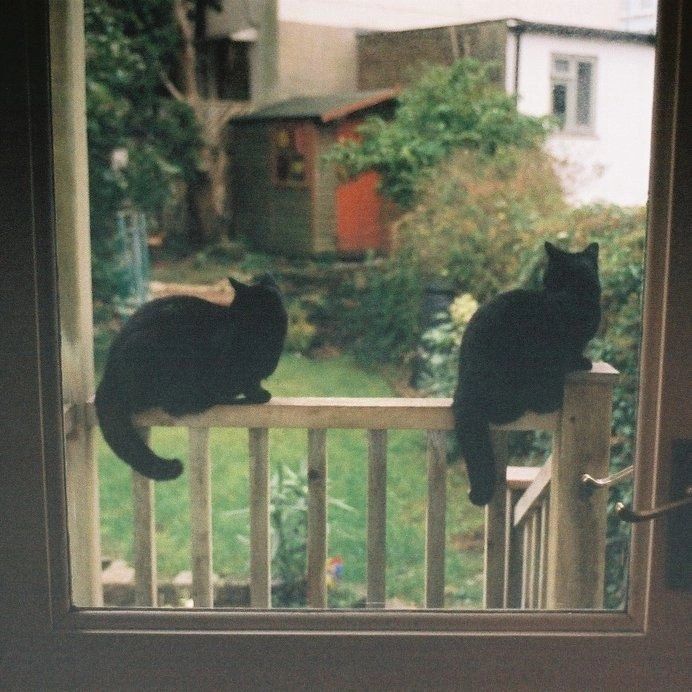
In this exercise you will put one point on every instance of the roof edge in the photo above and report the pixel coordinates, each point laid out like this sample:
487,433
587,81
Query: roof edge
372,100
521,26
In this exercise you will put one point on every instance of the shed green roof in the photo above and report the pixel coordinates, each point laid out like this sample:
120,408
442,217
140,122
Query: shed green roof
326,108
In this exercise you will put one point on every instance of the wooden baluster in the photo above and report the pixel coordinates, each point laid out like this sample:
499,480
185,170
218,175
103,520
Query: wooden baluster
543,553
494,556
513,563
535,556
377,518
200,517
435,519
260,549
577,532
525,564
144,536
317,518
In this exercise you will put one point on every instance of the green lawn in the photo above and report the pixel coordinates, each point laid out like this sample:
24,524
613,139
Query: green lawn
347,458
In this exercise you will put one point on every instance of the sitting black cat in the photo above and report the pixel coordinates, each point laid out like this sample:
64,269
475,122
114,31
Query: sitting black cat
516,352
184,355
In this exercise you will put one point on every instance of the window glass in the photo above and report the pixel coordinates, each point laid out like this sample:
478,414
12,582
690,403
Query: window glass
584,71
560,102
348,488
290,154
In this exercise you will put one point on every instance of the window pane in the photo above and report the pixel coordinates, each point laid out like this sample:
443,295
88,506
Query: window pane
560,102
189,189
561,65
584,93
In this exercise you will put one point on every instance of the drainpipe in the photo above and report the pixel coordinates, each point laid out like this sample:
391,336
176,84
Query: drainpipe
517,28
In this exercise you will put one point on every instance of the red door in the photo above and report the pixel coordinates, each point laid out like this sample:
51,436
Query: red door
358,208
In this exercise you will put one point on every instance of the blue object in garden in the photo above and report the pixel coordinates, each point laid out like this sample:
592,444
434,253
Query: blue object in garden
134,256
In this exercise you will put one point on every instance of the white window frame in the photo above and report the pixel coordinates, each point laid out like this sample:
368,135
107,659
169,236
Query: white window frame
570,81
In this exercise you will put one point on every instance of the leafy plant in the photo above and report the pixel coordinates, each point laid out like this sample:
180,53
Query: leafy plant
288,516
448,108
142,144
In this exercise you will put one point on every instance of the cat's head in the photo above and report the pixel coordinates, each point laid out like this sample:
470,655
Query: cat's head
572,271
264,290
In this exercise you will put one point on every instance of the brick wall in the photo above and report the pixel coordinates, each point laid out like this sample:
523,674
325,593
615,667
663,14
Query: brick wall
397,57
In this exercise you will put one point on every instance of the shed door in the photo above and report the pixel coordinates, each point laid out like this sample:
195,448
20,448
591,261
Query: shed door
358,207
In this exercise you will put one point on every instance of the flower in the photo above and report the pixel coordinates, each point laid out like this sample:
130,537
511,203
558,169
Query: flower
462,308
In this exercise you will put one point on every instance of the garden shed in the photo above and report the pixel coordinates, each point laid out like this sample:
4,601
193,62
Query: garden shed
286,198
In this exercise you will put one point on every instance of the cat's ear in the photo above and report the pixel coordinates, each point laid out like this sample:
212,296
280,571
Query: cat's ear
237,285
592,251
551,250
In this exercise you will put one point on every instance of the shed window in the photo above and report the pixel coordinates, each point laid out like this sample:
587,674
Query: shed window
572,93
290,155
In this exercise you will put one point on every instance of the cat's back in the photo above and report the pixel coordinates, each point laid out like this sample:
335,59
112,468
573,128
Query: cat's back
508,312
170,323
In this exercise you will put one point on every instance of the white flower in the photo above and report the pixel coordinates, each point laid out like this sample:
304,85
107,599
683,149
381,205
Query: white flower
462,308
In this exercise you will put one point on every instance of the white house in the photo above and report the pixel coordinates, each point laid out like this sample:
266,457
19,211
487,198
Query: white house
599,84
597,81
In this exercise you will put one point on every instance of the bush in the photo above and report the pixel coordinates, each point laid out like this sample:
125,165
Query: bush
479,221
448,108
301,332
620,233
376,313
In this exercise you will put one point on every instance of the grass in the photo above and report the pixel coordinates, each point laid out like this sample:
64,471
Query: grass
347,454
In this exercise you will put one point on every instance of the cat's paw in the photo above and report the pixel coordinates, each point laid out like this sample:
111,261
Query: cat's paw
258,396
582,363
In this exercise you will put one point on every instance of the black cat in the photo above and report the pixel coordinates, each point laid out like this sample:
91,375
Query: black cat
516,352
184,355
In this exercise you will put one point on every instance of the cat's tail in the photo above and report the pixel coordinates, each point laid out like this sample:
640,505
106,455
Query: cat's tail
125,441
472,430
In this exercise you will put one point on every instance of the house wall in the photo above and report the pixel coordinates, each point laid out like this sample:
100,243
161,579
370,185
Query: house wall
388,59
612,164
276,219
316,60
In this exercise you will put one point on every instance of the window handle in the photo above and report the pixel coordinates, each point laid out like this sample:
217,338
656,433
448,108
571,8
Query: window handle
631,516
592,482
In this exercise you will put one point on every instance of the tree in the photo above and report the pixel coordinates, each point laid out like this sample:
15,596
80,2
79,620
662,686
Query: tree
128,46
448,108
208,193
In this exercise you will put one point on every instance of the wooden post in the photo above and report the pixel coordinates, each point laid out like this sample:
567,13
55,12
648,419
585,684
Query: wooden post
577,515
377,518
200,518
260,549
494,556
435,520
74,278
317,518
146,578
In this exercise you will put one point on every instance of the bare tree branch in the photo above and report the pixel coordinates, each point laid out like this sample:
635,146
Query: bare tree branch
171,88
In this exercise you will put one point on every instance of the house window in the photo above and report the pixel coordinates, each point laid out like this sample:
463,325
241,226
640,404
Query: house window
224,69
290,151
572,93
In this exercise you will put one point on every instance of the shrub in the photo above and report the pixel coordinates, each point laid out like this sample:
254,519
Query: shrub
620,233
448,108
289,522
301,332
479,221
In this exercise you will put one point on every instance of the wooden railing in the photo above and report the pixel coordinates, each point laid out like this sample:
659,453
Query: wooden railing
545,532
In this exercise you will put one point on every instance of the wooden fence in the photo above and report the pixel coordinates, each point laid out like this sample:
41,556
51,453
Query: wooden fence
545,529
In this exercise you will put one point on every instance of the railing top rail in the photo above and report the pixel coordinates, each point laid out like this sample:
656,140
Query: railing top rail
334,412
